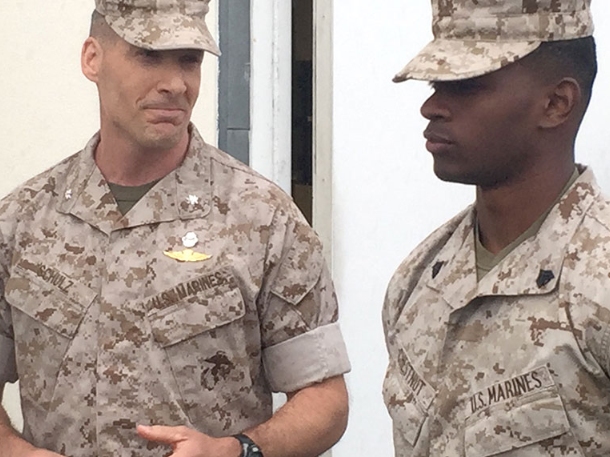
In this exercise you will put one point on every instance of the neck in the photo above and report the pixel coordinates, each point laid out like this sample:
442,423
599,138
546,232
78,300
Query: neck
121,162
505,212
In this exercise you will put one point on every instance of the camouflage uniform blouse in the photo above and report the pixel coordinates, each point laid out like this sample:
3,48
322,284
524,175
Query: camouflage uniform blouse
517,364
105,328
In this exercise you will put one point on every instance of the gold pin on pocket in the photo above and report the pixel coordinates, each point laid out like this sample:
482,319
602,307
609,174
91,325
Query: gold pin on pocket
189,241
187,255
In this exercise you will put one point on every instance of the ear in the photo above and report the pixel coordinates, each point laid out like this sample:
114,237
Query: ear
91,59
562,101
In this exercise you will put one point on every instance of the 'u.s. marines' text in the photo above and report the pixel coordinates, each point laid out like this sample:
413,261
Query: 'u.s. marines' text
187,289
506,390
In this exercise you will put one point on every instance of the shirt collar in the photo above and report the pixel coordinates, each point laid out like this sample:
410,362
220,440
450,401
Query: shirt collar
533,268
184,193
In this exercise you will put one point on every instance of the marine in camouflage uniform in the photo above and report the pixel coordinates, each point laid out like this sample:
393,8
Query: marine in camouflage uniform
500,346
188,310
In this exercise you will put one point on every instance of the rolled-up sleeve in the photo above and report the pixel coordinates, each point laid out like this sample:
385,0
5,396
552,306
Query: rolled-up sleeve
306,359
302,340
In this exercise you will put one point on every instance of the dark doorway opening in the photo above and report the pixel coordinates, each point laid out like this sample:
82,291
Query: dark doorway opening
302,105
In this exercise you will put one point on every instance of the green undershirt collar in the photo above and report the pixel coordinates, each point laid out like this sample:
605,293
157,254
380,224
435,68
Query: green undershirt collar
127,196
486,260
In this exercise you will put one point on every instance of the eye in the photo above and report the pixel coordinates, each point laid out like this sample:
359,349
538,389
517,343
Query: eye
148,55
192,58
459,88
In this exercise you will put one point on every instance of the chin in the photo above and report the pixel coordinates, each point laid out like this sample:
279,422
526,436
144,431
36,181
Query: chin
452,176
452,172
163,140
482,181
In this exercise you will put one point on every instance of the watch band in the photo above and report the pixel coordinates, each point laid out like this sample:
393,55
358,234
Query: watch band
248,447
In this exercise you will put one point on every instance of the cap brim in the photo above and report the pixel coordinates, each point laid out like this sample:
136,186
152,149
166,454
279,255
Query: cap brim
164,32
451,60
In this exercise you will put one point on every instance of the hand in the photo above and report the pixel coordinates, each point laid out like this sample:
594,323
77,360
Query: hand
186,442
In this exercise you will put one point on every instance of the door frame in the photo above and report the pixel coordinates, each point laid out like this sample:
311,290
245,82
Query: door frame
323,124
271,91
269,72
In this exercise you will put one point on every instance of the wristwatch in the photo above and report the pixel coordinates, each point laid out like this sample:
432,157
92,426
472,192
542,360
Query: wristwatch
248,447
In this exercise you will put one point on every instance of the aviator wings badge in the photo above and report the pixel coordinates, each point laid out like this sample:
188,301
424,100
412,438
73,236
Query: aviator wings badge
187,255
189,241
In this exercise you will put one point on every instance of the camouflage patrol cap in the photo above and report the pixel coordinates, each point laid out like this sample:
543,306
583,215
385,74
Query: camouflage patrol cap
160,24
475,37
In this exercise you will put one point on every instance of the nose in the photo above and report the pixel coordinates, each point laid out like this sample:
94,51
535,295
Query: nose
172,82
435,109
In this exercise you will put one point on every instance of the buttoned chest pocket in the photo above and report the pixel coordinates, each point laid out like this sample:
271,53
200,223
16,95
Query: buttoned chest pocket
204,338
535,426
46,316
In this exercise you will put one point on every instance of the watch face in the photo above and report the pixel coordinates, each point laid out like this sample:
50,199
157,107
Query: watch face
249,447
251,450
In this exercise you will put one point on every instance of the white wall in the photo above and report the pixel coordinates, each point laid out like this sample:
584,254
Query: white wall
48,110
386,196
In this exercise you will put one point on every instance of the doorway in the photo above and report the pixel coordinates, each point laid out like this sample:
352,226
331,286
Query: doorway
312,112
276,98
302,106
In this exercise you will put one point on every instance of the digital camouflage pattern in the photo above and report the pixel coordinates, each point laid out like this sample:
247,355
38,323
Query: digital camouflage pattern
109,331
160,24
475,37
517,364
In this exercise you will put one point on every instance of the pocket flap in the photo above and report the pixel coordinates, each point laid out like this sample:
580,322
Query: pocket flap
190,318
517,427
59,309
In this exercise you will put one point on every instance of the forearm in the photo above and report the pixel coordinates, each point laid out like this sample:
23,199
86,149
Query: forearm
311,421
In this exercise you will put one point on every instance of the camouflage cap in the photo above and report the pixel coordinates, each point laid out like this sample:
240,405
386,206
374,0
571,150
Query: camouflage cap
475,37
160,24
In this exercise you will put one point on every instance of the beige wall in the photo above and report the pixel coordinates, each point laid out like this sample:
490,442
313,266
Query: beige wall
48,109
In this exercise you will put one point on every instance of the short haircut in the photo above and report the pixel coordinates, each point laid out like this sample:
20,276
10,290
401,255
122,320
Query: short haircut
100,29
569,58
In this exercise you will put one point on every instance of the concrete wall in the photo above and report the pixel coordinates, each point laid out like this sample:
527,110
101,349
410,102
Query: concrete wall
48,109
386,198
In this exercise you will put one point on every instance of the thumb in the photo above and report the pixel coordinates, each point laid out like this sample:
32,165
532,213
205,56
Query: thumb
162,434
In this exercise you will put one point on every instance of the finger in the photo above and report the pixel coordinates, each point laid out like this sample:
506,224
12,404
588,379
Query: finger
162,434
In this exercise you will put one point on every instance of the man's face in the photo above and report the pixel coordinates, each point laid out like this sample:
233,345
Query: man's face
147,97
482,130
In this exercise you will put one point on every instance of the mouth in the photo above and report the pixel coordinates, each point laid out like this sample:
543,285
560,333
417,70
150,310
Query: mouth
164,113
437,142
437,137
